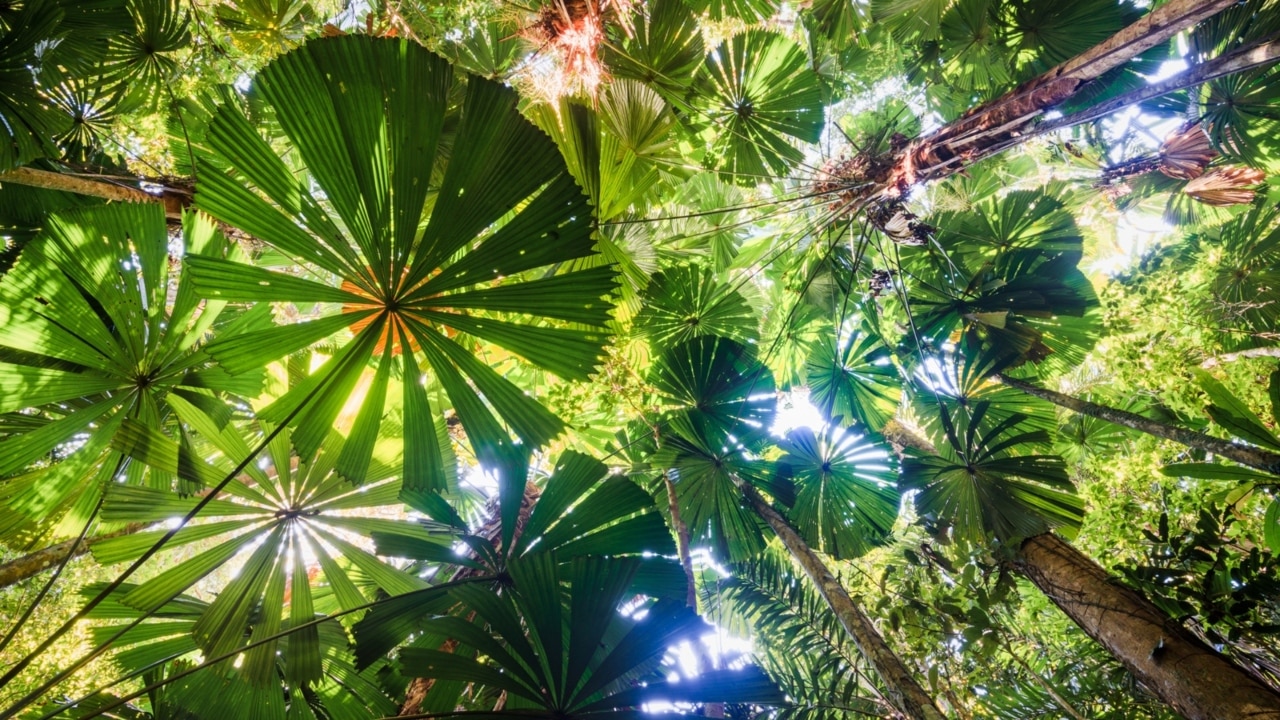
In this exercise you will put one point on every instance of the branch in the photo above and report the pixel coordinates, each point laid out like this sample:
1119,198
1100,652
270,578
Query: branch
1241,355
174,199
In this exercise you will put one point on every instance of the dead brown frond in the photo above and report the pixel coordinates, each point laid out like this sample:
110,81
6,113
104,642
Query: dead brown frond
1186,153
568,34
1226,186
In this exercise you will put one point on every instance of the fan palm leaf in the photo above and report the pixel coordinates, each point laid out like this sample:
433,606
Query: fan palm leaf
558,644
846,499
422,269
95,327
290,522
854,379
761,95
981,484
687,302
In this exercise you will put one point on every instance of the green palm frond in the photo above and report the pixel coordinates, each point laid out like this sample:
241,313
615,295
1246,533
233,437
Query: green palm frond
290,522
97,326
1032,305
687,302
162,646
143,61
29,123
558,644
846,499
579,512
855,379
1017,220
983,485
761,96
716,390
664,51
800,643
265,27
439,271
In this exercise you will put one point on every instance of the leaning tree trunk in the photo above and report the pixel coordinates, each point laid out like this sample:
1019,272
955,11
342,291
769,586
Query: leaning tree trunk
1172,662
1253,457
902,690
997,125
32,564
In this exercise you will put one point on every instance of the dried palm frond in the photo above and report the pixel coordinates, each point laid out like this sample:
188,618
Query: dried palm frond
1186,152
1225,186
569,34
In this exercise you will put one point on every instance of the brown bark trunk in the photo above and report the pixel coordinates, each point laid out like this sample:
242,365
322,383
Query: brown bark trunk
174,200
32,564
902,691
1273,352
682,544
1180,669
997,125
1253,457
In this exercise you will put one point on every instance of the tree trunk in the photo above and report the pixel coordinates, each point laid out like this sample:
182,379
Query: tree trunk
116,190
1268,462
1004,122
1258,352
32,564
902,690
1180,669
682,544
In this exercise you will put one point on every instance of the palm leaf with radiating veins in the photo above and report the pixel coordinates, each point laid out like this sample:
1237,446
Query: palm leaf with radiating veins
295,525
846,499
96,327
761,95
687,302
1031,305
164,643
663,52
582,510
717,392
559,646
855,378
433,270
960,380
986,480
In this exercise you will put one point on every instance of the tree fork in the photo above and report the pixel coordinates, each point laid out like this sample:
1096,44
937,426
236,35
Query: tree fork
905,694
1257,458
1174,664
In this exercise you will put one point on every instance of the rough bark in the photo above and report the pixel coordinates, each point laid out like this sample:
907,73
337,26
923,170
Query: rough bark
1180,669
1253,457
173,199
32,564
1005,121
1238,61
902,690
682,544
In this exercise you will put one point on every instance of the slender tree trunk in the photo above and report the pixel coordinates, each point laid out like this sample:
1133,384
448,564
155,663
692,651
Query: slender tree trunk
1245,455
32,564
682,544
902,690
1180,669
